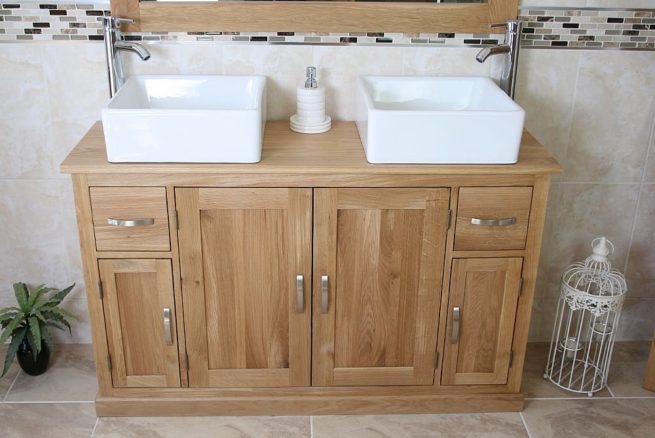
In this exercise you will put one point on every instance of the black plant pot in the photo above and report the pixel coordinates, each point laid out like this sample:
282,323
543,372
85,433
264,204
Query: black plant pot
26,360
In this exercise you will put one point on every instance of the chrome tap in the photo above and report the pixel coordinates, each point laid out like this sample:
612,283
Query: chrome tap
113,46
511,48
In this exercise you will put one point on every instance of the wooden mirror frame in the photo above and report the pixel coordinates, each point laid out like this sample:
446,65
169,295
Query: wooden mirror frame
314,16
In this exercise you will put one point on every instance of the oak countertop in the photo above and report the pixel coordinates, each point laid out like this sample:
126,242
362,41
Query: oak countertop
336,152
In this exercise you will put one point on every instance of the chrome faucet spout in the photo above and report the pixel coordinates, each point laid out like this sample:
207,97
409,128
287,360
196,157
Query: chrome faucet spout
137,48
511,51
492,50
114,44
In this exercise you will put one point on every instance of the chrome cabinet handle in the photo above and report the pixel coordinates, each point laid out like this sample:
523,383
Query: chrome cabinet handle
457,314
300,294
168,333
130,222
494,222
325,290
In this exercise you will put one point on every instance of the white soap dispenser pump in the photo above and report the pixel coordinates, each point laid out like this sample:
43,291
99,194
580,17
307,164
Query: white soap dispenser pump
310,116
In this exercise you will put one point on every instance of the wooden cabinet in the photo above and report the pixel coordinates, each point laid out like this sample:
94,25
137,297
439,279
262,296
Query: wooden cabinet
245,257
140,322
481,313
378,257
311,282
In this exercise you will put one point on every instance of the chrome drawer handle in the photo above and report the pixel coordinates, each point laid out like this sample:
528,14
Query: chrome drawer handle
457,314
130,222
325,290
494,222
168,329
300,294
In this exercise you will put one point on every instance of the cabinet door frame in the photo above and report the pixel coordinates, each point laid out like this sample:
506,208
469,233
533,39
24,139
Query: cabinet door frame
163,270
327,203
298,203
512,266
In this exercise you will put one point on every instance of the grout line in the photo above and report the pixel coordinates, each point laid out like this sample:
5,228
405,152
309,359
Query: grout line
311,426
569,133
94,427
610,390
525,425
4,400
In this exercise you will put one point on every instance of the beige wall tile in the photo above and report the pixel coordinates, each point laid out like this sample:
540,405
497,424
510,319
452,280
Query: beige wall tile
52,420
199,427
545,89
25,107
444,425
443,61
613,116
637,322
339,68
641,263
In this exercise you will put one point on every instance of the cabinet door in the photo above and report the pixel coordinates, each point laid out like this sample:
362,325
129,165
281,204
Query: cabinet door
482,310
378,263
247,313
140,319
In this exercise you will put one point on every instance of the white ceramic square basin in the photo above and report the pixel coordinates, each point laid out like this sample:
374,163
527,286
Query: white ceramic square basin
190,119
413,119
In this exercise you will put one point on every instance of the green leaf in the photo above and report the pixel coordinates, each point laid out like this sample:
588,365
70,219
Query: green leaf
13,348
56,325
36,332
22,295
11,328
45,333
32,342
53,317
59,296
63,312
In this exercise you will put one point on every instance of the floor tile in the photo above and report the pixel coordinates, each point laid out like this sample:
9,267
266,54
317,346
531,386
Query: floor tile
628,369
52,420
596,418
71,377
534,384
199,427
7,380
433,425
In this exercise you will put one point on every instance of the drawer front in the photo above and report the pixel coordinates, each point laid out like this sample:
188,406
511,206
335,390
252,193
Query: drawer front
130,218
492,218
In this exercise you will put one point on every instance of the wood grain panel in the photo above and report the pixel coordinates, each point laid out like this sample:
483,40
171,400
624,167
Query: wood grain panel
492,203
290,159
130,203
318,16
136,292
649,378
239,263
486,291
384,266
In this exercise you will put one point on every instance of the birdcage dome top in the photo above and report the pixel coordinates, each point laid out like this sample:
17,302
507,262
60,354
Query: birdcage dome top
595,275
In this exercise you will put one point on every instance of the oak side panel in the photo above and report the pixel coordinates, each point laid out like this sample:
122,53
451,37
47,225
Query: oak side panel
91,282
530,271
649,379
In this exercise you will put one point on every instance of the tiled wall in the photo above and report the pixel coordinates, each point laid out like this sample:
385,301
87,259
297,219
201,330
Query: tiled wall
595,109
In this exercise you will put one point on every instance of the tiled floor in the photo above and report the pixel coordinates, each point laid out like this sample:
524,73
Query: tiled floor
60,404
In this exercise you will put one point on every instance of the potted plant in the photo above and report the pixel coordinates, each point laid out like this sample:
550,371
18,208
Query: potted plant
28,326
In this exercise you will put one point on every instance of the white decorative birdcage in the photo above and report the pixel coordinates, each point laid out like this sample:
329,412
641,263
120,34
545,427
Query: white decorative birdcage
588,312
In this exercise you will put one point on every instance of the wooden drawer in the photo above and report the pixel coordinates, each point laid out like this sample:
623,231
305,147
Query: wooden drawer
492,218
139,214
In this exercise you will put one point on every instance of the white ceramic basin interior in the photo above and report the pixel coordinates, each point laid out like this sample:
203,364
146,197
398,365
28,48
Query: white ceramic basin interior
197,119
413,119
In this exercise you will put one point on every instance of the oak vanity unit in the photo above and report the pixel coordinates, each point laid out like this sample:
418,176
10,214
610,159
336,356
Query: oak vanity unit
311,282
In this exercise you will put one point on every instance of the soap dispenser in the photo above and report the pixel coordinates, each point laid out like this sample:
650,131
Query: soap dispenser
310,117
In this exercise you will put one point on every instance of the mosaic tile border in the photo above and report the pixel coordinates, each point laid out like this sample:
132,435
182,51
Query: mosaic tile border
549,27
